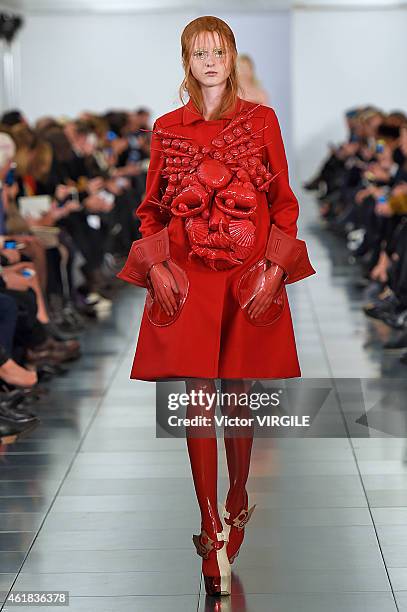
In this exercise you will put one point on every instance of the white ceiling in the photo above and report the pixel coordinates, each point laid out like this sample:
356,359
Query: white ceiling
202,6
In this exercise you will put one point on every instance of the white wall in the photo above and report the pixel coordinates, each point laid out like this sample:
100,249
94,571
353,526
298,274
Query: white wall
343,58
74,62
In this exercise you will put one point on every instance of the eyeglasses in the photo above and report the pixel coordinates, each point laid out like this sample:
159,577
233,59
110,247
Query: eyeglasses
203,54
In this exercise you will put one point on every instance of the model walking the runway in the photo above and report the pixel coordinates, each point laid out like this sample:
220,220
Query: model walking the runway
219,226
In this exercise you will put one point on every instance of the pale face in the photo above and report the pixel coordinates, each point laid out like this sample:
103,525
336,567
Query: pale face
245,70
209,60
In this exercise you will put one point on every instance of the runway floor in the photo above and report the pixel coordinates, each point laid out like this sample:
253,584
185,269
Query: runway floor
92,503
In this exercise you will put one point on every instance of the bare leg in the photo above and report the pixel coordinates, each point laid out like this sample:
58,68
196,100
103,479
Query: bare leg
14,374
42,313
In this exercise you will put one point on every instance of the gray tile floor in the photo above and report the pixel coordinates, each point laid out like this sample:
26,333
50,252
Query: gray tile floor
94,504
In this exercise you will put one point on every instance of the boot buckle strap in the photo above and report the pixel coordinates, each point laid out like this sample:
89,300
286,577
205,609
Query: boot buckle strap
241,519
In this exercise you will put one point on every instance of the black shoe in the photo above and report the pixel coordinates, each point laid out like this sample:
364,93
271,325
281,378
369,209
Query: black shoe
47,371
20,414
28,395
72,316
397,319
16,414
11,394
11,431
376,312
6,387
17,399
387,303
397,344
403,358
65,316
58,334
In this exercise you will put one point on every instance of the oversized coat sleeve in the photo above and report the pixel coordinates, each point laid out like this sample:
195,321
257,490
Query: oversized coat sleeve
152,218
284,207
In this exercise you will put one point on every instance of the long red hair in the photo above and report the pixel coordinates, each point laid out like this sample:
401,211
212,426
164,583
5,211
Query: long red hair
190,85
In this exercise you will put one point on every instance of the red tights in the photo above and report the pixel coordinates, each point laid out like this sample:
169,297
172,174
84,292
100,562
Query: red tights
203,452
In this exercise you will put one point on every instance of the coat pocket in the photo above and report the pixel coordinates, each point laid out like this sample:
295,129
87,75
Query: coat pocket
249,285
155,313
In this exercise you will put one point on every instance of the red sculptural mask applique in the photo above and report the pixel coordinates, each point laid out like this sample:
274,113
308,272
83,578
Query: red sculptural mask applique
214,190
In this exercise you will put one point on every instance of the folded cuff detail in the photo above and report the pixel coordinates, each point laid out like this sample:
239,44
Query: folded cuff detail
289,253
143,254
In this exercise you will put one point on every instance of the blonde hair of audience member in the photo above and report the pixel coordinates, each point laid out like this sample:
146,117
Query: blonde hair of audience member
249,84
23,135
41,161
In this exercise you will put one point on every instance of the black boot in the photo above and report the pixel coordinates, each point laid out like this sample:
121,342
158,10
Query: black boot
398,343
10,431
387,304
397,319
13,412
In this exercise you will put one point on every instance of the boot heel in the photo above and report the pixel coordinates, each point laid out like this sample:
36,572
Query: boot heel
215,562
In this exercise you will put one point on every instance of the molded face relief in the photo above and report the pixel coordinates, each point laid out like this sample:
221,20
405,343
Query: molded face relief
214,190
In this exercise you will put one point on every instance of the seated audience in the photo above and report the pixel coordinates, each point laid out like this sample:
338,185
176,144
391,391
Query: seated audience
68,193
362,194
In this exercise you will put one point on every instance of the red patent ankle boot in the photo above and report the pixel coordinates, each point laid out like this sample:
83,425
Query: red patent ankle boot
234,527
215,563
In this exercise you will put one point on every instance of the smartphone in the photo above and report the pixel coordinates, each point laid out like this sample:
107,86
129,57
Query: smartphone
28,272
72,197
110,136
10,244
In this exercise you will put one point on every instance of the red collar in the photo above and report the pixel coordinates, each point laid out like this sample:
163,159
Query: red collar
191,115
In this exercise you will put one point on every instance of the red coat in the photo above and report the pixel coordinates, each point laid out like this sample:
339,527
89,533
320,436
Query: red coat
212,337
